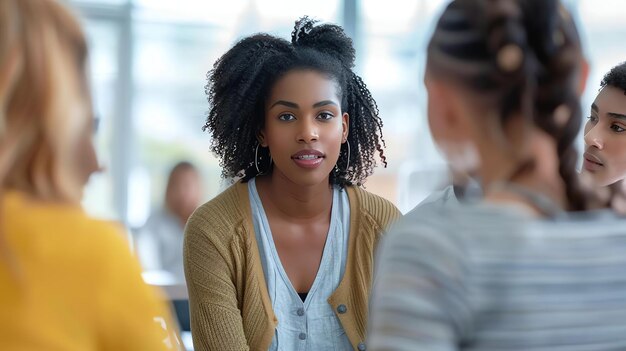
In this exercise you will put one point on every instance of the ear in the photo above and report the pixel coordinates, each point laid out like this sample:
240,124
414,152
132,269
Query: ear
260,137
584,74
345,125
443,118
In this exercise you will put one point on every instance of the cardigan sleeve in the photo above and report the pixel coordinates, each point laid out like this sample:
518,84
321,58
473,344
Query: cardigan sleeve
216,320
381,210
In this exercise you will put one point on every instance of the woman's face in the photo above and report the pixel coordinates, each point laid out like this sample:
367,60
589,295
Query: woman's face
304,126
605,138
183,194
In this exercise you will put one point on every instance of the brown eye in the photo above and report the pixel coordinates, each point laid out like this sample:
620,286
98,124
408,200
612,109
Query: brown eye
286,117
325,116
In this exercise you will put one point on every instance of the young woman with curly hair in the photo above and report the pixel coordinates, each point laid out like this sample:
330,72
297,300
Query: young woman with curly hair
283,258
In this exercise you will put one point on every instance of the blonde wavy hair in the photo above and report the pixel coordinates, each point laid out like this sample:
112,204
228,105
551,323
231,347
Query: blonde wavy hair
45,106
46,149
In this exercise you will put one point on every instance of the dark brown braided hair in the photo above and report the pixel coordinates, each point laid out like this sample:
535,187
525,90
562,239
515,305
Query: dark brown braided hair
242,78
523,56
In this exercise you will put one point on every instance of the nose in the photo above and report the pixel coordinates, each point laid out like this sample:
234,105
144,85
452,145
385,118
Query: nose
594,138
307,132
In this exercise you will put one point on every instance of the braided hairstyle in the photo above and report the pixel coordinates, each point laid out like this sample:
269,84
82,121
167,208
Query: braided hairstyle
241,81
523,57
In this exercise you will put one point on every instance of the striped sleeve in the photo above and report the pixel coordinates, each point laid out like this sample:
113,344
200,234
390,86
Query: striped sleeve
420,299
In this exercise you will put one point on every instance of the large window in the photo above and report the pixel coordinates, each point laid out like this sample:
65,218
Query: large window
149,59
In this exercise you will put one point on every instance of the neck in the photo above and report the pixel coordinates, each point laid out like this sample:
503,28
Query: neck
294,201
541,178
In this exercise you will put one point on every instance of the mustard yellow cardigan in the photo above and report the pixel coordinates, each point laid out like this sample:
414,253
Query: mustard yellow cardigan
228,298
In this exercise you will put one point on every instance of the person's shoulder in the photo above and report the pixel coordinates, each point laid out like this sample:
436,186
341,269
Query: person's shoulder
382,210
431,232
441,197
94,242
442,218
220,214
226,205
105,233
461,226
67,233
368,200
83,231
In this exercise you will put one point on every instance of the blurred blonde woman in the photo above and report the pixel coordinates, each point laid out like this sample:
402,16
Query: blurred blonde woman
67,282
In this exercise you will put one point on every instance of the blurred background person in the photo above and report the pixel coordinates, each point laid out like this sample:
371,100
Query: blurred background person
160,240
526,268
604,160
67,281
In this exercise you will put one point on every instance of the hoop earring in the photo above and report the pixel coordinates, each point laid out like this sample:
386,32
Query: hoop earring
348,162
256,160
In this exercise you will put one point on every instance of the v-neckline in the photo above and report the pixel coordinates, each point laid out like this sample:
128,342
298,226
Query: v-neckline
274,252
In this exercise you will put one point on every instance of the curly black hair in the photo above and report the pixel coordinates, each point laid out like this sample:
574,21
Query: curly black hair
520,56
241,80
616,77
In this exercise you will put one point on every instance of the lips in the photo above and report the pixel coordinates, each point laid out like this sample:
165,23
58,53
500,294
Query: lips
310,158
592,162
593,158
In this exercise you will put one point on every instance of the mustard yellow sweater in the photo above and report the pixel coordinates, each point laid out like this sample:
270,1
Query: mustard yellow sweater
229,303
70,283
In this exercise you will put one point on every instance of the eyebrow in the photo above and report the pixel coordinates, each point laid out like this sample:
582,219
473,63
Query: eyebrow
324,103
285,103
616,115
595,108
294,105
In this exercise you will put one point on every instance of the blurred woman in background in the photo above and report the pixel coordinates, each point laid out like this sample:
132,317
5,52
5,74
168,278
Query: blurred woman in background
67,282
159,243
526,268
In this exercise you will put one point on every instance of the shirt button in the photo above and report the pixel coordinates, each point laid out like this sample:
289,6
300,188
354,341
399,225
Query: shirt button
302,336
342,309
361,347
300,312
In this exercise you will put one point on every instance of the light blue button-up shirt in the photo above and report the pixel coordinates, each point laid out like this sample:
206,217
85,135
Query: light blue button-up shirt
310,325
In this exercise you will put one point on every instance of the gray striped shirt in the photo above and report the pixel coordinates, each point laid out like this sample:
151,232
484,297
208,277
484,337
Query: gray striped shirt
486,277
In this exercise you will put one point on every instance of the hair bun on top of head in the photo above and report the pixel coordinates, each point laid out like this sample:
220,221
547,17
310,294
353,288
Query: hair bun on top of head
327,38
